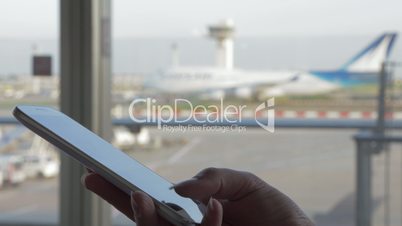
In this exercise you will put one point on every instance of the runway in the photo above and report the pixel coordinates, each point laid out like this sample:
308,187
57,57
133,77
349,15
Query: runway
314,167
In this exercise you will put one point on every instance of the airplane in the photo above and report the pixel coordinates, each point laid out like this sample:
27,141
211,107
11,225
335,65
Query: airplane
217,82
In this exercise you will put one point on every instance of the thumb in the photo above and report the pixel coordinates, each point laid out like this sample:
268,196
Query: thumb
214,214
220,184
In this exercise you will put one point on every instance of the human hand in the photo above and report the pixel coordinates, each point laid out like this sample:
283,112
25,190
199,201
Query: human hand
140,207
244,199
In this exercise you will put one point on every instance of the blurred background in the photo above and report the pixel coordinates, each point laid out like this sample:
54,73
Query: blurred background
321,60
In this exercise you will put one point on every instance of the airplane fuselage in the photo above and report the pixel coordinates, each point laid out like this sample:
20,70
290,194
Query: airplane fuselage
273,83
363,68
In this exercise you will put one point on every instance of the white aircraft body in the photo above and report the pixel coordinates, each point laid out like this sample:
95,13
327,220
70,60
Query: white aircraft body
214,81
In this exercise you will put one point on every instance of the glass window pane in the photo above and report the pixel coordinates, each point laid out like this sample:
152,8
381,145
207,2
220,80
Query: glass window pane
29,166
305,63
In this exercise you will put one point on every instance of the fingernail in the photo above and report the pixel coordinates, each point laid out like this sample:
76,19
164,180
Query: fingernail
184,181
135,207
83,179
180,182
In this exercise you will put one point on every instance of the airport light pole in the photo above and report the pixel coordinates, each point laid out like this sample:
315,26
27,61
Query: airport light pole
368,144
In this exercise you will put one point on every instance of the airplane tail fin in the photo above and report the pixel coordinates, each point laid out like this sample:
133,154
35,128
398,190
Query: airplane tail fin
371,58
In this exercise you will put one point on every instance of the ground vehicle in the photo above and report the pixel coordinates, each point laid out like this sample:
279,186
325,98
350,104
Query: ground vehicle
11,167
44,166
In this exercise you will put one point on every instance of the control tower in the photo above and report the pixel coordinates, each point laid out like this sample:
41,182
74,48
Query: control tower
223,34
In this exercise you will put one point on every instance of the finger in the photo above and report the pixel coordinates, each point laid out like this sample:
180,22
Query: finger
144,210
214,214
220,184
109,192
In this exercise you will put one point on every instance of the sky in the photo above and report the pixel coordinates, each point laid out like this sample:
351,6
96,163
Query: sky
25,19
291,33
